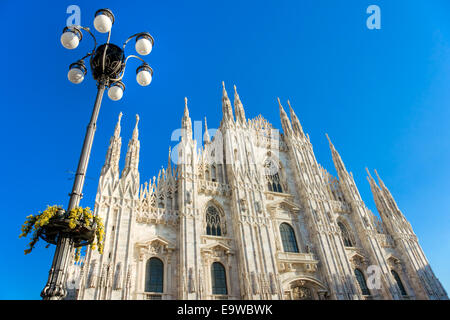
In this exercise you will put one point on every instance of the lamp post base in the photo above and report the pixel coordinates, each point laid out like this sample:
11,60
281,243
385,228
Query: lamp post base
56,287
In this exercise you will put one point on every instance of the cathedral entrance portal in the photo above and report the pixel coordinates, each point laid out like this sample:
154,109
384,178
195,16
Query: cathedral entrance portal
304,289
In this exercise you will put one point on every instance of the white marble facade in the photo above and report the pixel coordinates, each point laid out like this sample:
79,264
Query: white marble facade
254,182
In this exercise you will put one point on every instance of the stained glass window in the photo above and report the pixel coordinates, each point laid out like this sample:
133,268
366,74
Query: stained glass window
362,282
154,275
288,238
219,280
215,224
399,283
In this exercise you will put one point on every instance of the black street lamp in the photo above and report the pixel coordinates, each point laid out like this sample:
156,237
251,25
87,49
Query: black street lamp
108,64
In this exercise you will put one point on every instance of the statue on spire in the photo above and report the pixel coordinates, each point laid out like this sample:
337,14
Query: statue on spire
136,131
226,106
206,137
113,153
132,157
186,110
117,129
186,124
239,108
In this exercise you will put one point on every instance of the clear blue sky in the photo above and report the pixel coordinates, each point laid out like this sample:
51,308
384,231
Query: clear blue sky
382,95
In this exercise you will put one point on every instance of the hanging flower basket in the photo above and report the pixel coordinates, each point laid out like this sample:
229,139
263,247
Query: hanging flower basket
79,224
82,235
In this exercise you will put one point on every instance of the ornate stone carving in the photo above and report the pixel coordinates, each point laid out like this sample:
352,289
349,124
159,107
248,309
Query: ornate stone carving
300,262
273,285
258,207
118,278
155,246
301,293
188,197
254,282
358,261
92,281
153,215
243,204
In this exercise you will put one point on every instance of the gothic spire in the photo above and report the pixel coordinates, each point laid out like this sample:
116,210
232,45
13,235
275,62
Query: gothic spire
132,158
380,200
169,161
206,135
113,153
369,175
295,122
285,123
387,194
338,163
379,180
117,129
136,131
153,187
186,123
226,106
238,108
345,178
186,110
376,192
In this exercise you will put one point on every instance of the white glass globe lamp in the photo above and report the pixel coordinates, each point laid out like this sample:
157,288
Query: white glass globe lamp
144,75
116,90
103,21
144,43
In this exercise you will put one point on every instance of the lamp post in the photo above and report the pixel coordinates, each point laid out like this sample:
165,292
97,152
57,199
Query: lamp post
107,63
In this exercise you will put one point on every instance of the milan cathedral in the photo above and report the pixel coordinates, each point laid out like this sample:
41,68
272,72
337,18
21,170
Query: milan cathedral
250,214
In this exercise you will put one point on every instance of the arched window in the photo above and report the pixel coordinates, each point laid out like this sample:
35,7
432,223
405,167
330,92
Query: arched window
215,224
288,238
345,235
219,279
362,282
154,275
272,176
399,282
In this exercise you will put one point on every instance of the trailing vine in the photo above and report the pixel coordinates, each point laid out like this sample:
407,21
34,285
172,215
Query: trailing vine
76,219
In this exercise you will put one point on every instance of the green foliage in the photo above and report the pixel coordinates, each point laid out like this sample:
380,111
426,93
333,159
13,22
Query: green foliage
78,216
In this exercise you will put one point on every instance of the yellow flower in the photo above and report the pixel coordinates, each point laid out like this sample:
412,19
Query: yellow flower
76,216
